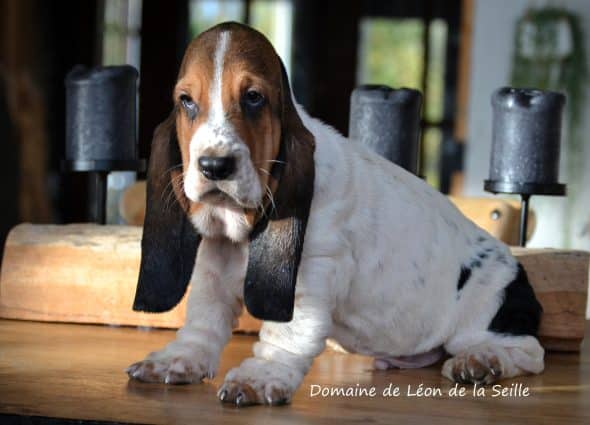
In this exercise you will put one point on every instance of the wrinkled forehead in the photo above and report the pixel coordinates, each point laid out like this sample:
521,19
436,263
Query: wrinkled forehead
235,49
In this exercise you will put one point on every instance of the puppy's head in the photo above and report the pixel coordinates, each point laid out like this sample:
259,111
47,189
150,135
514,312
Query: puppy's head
230,99
236,135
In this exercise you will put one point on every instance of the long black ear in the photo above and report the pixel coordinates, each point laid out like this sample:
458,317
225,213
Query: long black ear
170,242
276,241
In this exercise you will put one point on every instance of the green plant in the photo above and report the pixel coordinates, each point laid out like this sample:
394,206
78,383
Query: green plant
551,69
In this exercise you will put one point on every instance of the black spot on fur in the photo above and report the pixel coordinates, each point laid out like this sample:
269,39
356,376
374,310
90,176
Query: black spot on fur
475,264
501,258
482,255
481,239
463,277
520,313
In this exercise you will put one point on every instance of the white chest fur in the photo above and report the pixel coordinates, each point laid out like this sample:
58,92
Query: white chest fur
215,221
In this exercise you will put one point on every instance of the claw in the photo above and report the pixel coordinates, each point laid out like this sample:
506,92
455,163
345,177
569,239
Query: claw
281,401
223,395
277,402
240,399
131,369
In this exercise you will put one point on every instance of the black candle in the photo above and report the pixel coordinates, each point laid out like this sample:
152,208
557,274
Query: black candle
526,142
101,118
388,122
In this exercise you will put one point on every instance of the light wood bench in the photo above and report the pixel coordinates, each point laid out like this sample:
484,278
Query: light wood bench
86,273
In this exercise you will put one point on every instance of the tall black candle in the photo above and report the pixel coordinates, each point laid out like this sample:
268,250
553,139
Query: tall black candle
526,136
388,122
101,118
101,127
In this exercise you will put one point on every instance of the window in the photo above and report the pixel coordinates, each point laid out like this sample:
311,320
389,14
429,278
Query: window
272,18
121,40
410,52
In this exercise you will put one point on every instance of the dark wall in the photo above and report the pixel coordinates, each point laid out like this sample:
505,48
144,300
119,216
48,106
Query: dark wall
164,39
324,58
39,42
70,37
9,171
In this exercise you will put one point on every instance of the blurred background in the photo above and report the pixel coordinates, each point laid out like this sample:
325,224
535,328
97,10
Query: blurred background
455,51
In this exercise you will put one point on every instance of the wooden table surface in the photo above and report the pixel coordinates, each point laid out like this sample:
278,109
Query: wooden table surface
76,371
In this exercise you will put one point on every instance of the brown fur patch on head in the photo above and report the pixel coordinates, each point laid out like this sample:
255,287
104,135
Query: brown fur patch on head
251,63
194,80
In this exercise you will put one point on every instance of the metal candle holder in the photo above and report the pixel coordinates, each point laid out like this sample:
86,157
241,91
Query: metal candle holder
388,122
101,127
525,146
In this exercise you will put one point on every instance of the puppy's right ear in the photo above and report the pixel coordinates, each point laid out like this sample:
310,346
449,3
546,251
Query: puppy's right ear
170,242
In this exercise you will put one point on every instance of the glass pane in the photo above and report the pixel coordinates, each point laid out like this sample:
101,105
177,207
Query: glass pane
430,159
435,74
391,52
121,40
275,20
206,13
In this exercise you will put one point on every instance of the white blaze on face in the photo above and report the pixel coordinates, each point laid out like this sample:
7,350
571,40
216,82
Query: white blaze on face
211,135
216,113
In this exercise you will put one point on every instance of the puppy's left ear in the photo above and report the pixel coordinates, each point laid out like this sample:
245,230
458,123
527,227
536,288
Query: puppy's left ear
276,241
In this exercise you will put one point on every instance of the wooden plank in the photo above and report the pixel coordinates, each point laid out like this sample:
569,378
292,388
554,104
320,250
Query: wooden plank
86,273
82,273
560,279
73,371
498,216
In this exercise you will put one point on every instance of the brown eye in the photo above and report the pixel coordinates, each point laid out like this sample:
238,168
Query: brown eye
189,106
253,99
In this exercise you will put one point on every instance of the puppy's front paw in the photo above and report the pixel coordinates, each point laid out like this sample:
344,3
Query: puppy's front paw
259,381
174,366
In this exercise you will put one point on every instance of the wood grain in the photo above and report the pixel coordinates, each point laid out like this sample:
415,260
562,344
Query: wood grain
560,280
86,273
497,216
76,371
79,273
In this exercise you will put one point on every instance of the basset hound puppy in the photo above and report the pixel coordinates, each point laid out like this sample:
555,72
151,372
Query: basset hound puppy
255,203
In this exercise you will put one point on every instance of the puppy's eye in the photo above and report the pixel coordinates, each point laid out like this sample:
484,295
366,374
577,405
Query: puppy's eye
253,99
189,106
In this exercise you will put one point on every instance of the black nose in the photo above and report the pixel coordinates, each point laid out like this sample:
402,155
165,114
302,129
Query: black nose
217,167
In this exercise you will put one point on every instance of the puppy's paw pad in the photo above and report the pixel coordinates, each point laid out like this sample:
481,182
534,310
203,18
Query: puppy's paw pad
473,368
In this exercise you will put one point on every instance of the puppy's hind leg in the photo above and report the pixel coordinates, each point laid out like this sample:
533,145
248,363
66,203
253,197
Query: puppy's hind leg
508,347
498,356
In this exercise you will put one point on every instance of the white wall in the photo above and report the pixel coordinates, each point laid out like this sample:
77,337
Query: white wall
493,25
